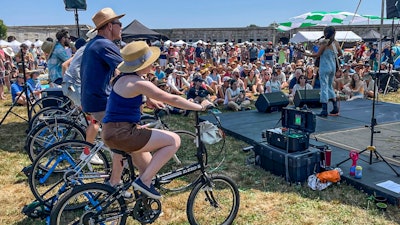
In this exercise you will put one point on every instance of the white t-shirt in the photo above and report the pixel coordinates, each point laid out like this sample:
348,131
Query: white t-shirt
298,87
233,93
275,86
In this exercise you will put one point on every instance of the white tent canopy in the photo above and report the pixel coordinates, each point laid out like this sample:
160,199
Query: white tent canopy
305,36
38,43
179,43
28,42
15,45
167,43
4,43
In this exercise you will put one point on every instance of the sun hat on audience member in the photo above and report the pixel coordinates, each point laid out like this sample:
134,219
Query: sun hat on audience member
9,51
170,66
180,73
226,79
48,47
105,16
246,67
137,55
161,83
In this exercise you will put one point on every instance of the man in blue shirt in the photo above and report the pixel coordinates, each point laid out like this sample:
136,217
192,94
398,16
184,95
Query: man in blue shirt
99,62
57,57
16,90
159,73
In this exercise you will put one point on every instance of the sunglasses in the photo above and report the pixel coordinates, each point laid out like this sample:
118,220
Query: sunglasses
117,22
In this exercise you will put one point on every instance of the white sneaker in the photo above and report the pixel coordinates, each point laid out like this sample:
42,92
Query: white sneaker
94,160
124,194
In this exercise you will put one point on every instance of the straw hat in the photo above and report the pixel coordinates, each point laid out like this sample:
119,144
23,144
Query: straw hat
137,55
9,51
104,16
48,47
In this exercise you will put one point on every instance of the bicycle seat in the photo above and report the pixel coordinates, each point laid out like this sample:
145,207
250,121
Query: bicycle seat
125,154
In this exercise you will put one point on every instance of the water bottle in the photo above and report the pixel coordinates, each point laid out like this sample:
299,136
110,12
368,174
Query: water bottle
358,174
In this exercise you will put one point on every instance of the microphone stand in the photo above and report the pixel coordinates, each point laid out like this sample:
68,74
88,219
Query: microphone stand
371,148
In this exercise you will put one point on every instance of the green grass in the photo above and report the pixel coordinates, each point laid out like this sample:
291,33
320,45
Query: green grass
265,198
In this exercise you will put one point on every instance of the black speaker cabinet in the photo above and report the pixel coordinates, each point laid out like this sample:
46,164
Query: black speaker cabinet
275,100
309,97
392,9
71,5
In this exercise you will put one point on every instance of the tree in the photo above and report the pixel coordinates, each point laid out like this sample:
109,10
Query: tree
252,25
274,25
3,30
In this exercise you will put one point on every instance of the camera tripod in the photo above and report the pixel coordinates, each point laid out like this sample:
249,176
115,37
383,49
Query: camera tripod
391,80
371,148
27,91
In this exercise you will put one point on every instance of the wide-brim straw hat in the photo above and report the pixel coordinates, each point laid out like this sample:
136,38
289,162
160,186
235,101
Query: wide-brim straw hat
48,47
104,16
137,55
9,51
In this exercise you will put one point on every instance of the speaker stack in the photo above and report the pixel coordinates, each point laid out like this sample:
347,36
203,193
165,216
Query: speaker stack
269,101
308,97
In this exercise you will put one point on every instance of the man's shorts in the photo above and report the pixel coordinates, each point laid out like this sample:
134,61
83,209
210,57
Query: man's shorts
125,136
73,92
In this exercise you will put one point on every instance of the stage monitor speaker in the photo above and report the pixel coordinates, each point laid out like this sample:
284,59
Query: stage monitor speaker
268,101
392,9
309,97
71,5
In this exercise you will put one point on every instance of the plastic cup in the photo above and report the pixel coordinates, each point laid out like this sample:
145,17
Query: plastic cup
328,156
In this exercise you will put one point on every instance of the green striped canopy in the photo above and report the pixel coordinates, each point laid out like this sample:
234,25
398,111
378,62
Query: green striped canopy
320,18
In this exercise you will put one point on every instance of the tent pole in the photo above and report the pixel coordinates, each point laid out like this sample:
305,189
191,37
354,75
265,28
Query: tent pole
381,35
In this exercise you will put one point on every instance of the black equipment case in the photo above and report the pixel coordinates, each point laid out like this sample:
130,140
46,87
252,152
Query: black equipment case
295,167
287,141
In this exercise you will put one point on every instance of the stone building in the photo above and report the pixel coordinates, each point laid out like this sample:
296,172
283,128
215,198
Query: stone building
260,34
34,33
237,34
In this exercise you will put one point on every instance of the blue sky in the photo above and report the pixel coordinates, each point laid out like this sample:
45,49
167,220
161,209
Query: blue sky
180,13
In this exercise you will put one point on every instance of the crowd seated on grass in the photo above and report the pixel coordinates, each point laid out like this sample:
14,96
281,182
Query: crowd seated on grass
277,69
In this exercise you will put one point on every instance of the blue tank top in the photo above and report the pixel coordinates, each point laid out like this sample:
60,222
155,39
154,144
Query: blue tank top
120,109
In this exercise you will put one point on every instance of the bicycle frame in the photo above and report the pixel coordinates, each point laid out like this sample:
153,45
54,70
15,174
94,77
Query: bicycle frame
200,165
99,206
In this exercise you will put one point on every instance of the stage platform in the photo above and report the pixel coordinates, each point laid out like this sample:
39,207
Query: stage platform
350,130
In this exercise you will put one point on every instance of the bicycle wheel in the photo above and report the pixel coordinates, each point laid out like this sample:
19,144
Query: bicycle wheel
48,112
55,170
48,101
214,202
100,207
49,132
184,157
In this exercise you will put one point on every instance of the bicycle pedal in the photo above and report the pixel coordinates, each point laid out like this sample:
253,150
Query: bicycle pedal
164,181
27,170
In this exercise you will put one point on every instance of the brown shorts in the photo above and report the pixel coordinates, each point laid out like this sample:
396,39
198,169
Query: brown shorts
125,136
